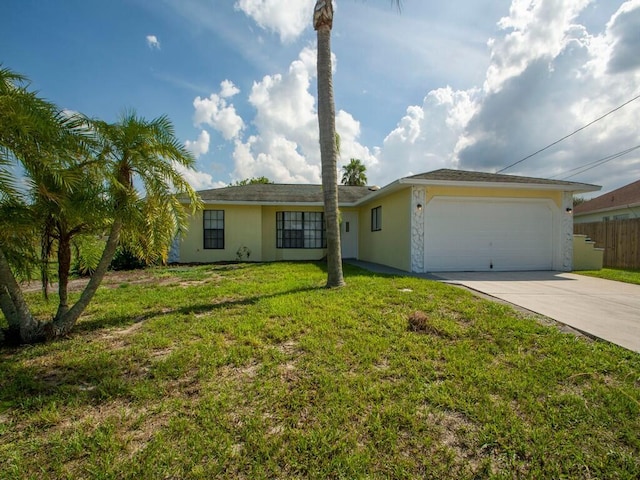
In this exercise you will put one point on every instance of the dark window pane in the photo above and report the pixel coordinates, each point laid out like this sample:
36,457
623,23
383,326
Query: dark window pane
213,226
300,230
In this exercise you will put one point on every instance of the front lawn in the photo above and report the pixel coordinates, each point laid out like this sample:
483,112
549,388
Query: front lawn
255,371
617,274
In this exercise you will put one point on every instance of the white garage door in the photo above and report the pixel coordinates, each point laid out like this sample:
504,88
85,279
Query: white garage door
488,234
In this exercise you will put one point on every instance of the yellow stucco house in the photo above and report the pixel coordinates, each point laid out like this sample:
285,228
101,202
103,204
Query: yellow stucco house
445,220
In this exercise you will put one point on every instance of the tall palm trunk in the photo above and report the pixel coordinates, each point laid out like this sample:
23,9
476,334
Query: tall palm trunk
322,22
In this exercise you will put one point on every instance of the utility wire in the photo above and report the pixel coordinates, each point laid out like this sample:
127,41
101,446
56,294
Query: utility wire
595,162
571,134
602,161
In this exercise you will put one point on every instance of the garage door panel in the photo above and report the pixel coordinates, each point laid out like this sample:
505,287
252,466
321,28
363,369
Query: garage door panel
488,234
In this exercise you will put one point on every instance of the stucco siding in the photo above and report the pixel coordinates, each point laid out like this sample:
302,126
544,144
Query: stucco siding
391,245
585,254
242,228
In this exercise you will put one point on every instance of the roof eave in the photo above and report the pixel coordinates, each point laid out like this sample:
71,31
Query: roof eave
577,187
386,190
257,203
607,209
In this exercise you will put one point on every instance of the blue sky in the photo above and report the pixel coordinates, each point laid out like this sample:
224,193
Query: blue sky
475,85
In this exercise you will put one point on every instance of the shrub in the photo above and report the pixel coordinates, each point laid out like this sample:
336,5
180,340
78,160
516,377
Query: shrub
124,259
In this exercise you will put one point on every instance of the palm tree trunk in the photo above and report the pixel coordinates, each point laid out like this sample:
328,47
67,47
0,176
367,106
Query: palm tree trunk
64,266
328,154
21,323
63,324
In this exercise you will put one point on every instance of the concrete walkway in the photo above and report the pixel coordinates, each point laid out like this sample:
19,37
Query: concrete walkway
601,308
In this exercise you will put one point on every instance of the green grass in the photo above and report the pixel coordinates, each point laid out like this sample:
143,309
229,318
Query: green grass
617,274
256,371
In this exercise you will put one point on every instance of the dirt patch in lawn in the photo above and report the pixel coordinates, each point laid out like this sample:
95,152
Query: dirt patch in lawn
111,280
131,277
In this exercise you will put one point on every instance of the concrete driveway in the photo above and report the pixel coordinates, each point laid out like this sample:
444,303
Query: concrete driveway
601,308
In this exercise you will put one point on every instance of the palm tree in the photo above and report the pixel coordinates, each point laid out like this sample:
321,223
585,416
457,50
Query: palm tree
66,214
134,149
354,173
80,177
322,23
36,136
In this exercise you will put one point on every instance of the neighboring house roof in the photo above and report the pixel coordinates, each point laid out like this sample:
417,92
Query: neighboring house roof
623,197
274,193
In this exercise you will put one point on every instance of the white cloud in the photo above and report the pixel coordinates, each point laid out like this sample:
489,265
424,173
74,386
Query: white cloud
153,42
286,146
283,17
200,146
534,29
547,77
228,89
349,130
217,113
426,137
623,29
197,179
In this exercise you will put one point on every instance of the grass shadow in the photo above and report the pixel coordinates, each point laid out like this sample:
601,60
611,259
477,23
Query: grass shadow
98,377
107,321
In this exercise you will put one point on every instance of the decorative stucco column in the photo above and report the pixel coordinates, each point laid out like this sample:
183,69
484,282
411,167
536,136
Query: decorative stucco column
418,203
567,231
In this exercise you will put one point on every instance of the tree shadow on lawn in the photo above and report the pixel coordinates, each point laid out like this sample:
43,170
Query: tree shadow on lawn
32,384
106,321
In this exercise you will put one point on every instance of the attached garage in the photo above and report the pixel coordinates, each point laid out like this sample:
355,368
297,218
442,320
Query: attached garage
484,222
489,234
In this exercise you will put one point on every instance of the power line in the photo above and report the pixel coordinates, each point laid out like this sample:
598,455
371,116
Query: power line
603,159
599,162
571,134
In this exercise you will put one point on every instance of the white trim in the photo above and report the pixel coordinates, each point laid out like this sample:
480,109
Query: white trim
270,204
504,185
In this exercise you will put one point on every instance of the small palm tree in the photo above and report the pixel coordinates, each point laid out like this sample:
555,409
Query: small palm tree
145,220
38,137
80,175
354,173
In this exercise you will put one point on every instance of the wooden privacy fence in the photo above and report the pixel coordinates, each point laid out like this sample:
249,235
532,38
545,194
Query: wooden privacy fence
619,238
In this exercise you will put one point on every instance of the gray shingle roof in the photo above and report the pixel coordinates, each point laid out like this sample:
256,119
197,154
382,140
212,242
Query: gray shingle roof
281,193
274,193
445,174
